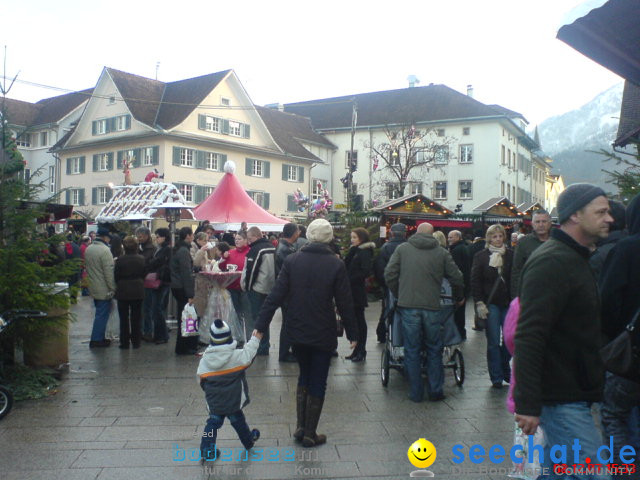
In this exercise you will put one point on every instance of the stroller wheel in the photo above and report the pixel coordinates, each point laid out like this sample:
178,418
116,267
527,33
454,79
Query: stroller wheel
458,366
384,366
6,401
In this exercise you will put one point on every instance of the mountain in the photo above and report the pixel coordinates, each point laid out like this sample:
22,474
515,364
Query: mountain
567,137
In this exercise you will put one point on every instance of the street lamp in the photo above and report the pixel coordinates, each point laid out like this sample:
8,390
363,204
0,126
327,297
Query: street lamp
173,212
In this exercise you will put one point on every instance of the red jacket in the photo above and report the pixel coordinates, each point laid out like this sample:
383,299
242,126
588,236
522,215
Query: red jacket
237,257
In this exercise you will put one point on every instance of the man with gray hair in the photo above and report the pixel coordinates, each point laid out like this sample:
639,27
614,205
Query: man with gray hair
147,250
541,223
414,276
558,369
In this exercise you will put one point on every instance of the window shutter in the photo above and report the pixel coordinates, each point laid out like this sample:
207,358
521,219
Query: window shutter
176,155
266,168
246,130
94,196
291,204
266,200
136,156
81,196
285,171
198,193
67,197
301,174
95,163
82,165
202,122
109,193
111,125
94,127
156,155
68,168
110,161
248,163
120,155
127,125
225,126
200,163
222,159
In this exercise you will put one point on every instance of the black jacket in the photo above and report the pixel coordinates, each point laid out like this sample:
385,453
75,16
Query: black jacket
620,279
147,250
308,283
600,256
161,263
359,262
526,246
129,274
460,254
559,333
483,278
381,261
283,250
182,269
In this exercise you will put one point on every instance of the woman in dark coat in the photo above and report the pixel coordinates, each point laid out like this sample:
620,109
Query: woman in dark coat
359,263
308,283
129,277
183,288
159,264
490,281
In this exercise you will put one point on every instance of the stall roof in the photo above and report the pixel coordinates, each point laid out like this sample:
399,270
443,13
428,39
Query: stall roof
141,202
527,208
57,210
413,204
498,206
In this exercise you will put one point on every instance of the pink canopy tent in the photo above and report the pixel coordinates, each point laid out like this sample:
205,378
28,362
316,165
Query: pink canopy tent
229,205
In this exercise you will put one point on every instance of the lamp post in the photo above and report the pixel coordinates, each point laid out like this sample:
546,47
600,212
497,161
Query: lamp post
172,214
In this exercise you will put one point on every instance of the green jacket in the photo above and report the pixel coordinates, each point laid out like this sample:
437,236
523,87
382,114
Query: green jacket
558,334
99,264
526,246
415,271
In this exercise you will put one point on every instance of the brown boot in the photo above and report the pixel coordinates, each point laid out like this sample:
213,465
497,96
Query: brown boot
301,407
314,409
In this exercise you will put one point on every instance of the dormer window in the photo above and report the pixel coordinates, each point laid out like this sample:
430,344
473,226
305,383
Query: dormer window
225,102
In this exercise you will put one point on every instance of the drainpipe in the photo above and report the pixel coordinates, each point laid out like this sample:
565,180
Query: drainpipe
370,164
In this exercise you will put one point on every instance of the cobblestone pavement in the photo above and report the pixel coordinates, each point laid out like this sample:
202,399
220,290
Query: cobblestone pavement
128,414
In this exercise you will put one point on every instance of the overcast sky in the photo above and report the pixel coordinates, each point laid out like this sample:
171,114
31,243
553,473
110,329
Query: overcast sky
286,51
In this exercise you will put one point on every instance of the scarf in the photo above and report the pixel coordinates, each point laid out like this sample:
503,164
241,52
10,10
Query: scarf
495,260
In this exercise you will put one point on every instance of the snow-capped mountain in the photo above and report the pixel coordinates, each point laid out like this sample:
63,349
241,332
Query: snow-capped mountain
567,138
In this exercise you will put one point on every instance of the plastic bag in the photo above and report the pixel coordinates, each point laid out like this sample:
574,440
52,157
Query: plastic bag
527,470
113,324
189,327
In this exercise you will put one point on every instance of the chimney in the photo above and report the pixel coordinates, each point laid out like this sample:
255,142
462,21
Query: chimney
470,91
413,81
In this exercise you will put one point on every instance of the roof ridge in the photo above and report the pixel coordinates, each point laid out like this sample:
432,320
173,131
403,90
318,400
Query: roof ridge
199,77
110,69
373,93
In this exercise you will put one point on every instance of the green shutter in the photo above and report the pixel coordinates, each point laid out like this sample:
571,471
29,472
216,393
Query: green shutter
225,126
109,193
222,159
266,201
94,127
95,163
291,204
111,124
81,196
82,165
285,172
202,122
94,196
246,130
176,155
301,174
248,163
110,161
127,123
156,155
136,158
120,155
200,163
68,168
266,168
67,197
198,193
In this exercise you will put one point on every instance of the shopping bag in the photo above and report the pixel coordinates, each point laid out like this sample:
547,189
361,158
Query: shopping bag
189,327
527,470
152,280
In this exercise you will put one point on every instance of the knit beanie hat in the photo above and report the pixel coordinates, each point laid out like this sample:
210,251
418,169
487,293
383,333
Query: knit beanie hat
399,228
320,231
574,197
220,333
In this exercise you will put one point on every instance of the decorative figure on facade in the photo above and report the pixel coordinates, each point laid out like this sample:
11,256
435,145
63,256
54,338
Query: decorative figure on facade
154,176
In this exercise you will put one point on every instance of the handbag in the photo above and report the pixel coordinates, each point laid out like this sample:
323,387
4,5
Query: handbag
152,280
621,355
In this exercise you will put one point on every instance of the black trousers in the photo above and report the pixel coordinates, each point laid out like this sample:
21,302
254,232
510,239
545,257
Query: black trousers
362,330
130,312
184,345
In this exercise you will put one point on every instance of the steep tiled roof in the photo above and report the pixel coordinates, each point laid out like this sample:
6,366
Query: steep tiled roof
629,126
163,104
404,106
288,130
19,112
54,108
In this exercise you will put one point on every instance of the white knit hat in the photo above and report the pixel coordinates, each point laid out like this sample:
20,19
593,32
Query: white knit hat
220,333
320,231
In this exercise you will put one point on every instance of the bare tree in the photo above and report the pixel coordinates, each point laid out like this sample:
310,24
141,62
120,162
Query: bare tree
408,153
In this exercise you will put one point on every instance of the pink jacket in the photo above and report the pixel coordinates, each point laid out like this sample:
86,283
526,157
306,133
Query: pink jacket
509,333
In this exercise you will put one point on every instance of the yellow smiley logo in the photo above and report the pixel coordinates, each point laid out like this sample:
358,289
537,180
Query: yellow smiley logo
422,453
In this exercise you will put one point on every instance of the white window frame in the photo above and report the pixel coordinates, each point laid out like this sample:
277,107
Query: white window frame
186,157
437,192
394,161
101,126
257,169
44,136
186,190
74,165
208,190
460,196
147,156
212,124
347,155
24,140
121,123
212,161
413,189
315,192
235,128
393,191
437,158
292,173
75,197
466,153
102,195
103,162
257,197
52,179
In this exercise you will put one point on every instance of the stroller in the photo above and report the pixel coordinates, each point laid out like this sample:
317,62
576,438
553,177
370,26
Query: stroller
6,319
393,353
